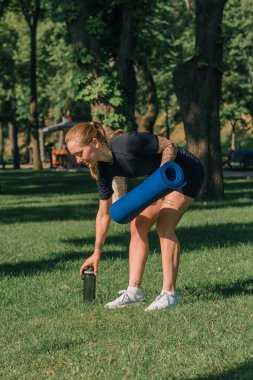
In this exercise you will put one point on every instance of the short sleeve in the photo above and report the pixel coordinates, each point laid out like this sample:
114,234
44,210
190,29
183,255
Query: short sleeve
105,189
142,143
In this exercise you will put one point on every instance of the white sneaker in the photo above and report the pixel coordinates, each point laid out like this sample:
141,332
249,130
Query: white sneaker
126,299
163,301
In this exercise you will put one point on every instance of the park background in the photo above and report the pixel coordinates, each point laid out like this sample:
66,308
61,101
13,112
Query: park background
181,69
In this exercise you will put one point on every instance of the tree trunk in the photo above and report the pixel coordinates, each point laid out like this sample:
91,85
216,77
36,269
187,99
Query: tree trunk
1,144
42,146
125,64
13,138
233,140
198,88
80,39
37,165
146,122
13,133
167,123
31,13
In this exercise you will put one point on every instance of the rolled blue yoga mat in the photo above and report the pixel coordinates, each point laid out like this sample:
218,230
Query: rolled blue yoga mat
167,178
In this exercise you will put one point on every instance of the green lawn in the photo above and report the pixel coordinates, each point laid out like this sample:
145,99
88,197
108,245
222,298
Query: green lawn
46,231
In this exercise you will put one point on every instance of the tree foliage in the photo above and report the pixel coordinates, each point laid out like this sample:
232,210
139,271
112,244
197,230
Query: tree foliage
8,47
238,62
125,52
165,39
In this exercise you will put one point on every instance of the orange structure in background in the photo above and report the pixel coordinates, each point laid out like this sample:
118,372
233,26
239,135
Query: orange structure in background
59,157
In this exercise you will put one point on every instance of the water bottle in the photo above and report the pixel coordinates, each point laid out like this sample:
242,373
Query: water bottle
89,284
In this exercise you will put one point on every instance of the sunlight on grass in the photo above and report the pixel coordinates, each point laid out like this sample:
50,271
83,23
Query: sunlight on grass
47,230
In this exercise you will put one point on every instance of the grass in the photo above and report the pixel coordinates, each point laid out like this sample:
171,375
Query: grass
46,231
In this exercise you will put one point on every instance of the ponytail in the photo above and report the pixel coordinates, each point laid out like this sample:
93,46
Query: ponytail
83,133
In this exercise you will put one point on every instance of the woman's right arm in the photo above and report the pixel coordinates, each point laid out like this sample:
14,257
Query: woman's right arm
103,220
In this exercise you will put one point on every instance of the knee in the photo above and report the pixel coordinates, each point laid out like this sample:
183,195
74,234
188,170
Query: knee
165,230
140,227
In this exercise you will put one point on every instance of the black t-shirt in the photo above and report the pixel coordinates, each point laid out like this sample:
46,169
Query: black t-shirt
134,154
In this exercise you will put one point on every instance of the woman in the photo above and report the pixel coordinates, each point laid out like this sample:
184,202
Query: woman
136,154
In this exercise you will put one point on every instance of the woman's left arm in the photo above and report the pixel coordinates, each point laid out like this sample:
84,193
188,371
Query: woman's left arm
168,150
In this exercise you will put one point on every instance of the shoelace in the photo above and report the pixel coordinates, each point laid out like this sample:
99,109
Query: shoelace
124,294
159,297
122,291
164,296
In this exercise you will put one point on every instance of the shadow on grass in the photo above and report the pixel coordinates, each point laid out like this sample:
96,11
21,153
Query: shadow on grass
82,211
59,261
32,184
243,371
29,183
234,189
220,204
45,182
237,194
215,236
31,268
218,291
200,292
191,238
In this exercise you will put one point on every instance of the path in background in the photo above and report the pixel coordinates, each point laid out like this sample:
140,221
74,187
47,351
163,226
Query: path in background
236,173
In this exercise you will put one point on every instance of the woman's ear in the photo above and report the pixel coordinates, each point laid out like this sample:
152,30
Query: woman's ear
95,142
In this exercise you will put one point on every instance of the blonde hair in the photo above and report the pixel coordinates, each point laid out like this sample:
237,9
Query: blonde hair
83,133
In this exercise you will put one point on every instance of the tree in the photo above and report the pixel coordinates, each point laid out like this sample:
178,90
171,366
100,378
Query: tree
147,120
197,84
8,46
107,76
1,145
164,39
3,6
237,86
103,54
31,10
55,70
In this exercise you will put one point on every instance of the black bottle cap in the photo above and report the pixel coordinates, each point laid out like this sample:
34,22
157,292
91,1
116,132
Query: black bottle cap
89,269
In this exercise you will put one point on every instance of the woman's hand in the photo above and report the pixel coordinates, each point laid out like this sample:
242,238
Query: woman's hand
92,260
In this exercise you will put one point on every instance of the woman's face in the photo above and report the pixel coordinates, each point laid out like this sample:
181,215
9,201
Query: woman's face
87,154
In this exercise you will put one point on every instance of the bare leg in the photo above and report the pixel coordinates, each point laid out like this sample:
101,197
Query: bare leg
170,260
172,209
139,245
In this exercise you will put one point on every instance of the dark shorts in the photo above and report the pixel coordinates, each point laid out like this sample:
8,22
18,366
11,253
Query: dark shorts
193,172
